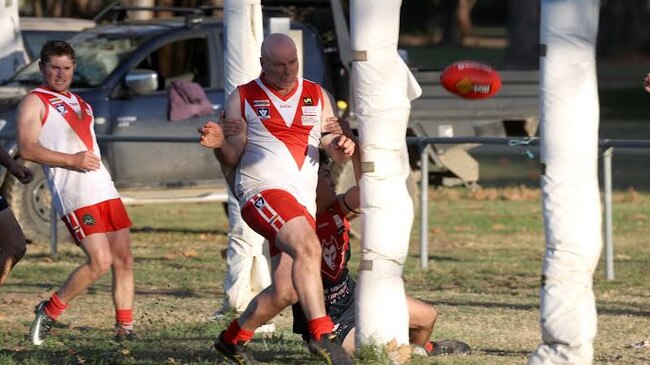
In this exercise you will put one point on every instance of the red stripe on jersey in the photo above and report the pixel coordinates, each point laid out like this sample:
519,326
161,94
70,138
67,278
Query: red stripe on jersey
295,136
80,125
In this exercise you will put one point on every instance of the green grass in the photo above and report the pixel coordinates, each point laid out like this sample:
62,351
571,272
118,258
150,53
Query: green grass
485,251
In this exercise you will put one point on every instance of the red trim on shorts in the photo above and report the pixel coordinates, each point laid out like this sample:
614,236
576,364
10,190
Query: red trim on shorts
267,212
107,216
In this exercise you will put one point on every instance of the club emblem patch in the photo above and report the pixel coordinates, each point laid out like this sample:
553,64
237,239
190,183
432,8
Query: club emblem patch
88,220
307,101
329,253
263,113
61,109
259,203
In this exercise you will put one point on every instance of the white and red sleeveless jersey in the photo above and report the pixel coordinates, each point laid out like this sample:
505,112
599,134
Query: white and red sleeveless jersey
67,127
283,137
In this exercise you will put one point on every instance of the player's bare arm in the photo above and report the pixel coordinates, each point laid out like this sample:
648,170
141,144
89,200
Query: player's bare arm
234,142
213,135
29,115
339,147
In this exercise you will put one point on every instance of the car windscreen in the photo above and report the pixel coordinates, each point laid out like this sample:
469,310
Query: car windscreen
35,39
98,55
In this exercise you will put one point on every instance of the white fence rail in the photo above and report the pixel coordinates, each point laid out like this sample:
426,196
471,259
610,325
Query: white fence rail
606,146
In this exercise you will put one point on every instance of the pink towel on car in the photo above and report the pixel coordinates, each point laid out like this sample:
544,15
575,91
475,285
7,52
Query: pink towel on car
187,99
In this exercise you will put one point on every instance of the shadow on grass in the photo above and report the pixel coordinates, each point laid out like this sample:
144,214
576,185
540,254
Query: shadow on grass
93,349
114,354
500,352
147,229
602,309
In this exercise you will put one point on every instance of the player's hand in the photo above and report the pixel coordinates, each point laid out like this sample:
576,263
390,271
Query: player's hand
85,161
646,83
339,126
212,135
232,126
342,148
23,173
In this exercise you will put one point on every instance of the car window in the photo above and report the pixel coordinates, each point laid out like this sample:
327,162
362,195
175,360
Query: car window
180,60
35,39
98,55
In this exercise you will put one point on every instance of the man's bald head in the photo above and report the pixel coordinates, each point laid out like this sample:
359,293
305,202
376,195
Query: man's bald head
276,43
280,62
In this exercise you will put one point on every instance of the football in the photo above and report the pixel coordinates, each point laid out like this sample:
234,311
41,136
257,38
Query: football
471,79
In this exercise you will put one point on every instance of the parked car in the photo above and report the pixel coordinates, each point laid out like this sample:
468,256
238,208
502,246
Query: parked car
36,31
125,70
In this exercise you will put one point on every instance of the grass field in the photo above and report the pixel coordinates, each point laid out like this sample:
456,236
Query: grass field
483,276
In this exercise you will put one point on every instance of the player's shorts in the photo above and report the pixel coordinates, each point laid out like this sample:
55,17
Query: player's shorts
267,212
107,216
343,323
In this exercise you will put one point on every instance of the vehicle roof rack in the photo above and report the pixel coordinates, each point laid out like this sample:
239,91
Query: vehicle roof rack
116,12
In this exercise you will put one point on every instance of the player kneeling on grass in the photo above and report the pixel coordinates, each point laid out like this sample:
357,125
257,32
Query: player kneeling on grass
333,227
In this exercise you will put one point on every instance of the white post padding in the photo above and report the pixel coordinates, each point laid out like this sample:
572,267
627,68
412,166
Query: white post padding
384,88
12,51
244,35
570,192
248,269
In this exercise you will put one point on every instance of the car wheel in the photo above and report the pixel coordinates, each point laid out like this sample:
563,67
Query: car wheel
31,204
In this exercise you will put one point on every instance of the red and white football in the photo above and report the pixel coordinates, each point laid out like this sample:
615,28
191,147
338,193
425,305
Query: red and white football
471,79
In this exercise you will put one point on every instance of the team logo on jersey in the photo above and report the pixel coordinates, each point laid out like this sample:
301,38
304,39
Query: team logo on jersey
329,252
307,101
263,113
61,109
261,103
259,203
88,220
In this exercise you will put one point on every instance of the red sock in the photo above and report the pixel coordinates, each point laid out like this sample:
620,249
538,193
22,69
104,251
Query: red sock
55,307
320,326
235,334
124,317
429,347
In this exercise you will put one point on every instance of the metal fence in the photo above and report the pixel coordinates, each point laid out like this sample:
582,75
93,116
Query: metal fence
606,146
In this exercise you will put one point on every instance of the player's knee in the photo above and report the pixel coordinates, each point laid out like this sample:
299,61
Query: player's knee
285,296
123,262
100,266
309,250
432,316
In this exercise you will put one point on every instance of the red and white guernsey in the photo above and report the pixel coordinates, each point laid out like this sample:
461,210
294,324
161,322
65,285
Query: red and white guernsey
67,126
283,137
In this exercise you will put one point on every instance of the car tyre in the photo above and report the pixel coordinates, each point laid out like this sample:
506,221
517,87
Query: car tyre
31,204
